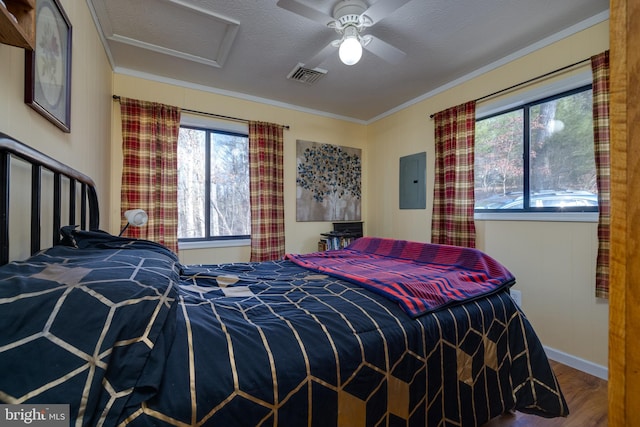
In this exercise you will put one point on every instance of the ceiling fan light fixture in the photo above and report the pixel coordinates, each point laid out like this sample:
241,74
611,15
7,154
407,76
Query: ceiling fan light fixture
350,19
350,50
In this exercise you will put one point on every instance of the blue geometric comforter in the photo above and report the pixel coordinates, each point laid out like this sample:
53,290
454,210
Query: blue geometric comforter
122,332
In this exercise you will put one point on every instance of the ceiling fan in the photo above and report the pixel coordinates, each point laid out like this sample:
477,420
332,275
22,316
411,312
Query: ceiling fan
350,18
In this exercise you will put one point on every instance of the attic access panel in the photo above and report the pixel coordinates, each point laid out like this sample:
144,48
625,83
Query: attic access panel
170,27
413,181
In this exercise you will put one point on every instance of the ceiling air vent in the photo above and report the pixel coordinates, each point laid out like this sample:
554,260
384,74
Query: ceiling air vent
306,75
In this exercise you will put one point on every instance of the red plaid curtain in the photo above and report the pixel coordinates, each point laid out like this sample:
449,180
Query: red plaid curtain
600,70
267,191
150,165
453,196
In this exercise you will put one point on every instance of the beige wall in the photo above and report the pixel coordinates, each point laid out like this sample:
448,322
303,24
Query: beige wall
86,148
554,262
300,236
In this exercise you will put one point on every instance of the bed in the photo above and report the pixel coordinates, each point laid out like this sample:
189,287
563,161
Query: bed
125,335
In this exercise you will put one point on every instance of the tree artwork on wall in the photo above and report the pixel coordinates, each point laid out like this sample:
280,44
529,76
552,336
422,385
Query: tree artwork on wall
328,182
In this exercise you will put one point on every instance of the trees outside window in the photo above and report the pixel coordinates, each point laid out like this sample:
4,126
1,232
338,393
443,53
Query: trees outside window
213,185
538,157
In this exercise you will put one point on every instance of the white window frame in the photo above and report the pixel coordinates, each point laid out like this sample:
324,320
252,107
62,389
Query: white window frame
219,125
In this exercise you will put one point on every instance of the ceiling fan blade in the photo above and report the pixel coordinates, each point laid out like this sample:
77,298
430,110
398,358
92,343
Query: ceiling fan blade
306,11
384,50
319,57
382,8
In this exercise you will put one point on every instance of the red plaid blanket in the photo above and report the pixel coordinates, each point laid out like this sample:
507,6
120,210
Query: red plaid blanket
421,277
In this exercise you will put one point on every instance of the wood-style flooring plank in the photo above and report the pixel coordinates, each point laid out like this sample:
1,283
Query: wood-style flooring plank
586,397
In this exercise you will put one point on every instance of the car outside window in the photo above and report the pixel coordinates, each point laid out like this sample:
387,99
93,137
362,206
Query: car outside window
213,185
538,157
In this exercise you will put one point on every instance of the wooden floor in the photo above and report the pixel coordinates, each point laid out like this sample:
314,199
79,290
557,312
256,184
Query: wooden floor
586,396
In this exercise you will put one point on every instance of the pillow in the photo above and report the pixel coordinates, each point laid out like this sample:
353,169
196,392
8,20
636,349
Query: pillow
99,239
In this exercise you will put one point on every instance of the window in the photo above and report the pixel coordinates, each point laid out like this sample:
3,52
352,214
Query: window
538,157
213,185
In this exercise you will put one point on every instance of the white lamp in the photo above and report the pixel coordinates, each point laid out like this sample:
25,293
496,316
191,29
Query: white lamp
135,217
350,50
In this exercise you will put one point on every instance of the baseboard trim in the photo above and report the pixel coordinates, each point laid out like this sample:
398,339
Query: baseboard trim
583,365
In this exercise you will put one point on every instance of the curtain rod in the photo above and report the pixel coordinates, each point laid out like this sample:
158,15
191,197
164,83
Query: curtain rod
517,85
203,113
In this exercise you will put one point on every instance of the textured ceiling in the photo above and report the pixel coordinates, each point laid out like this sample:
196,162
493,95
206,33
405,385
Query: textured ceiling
249,47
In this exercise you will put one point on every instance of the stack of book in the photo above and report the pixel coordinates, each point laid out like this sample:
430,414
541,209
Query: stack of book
334,240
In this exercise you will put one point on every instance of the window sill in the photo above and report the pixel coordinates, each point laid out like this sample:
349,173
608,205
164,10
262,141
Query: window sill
539,216
205,244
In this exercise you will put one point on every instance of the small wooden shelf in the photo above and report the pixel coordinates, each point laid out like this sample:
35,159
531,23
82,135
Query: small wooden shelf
342,235
21,31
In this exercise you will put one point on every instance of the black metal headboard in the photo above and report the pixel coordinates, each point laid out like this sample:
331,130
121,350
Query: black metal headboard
88,199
